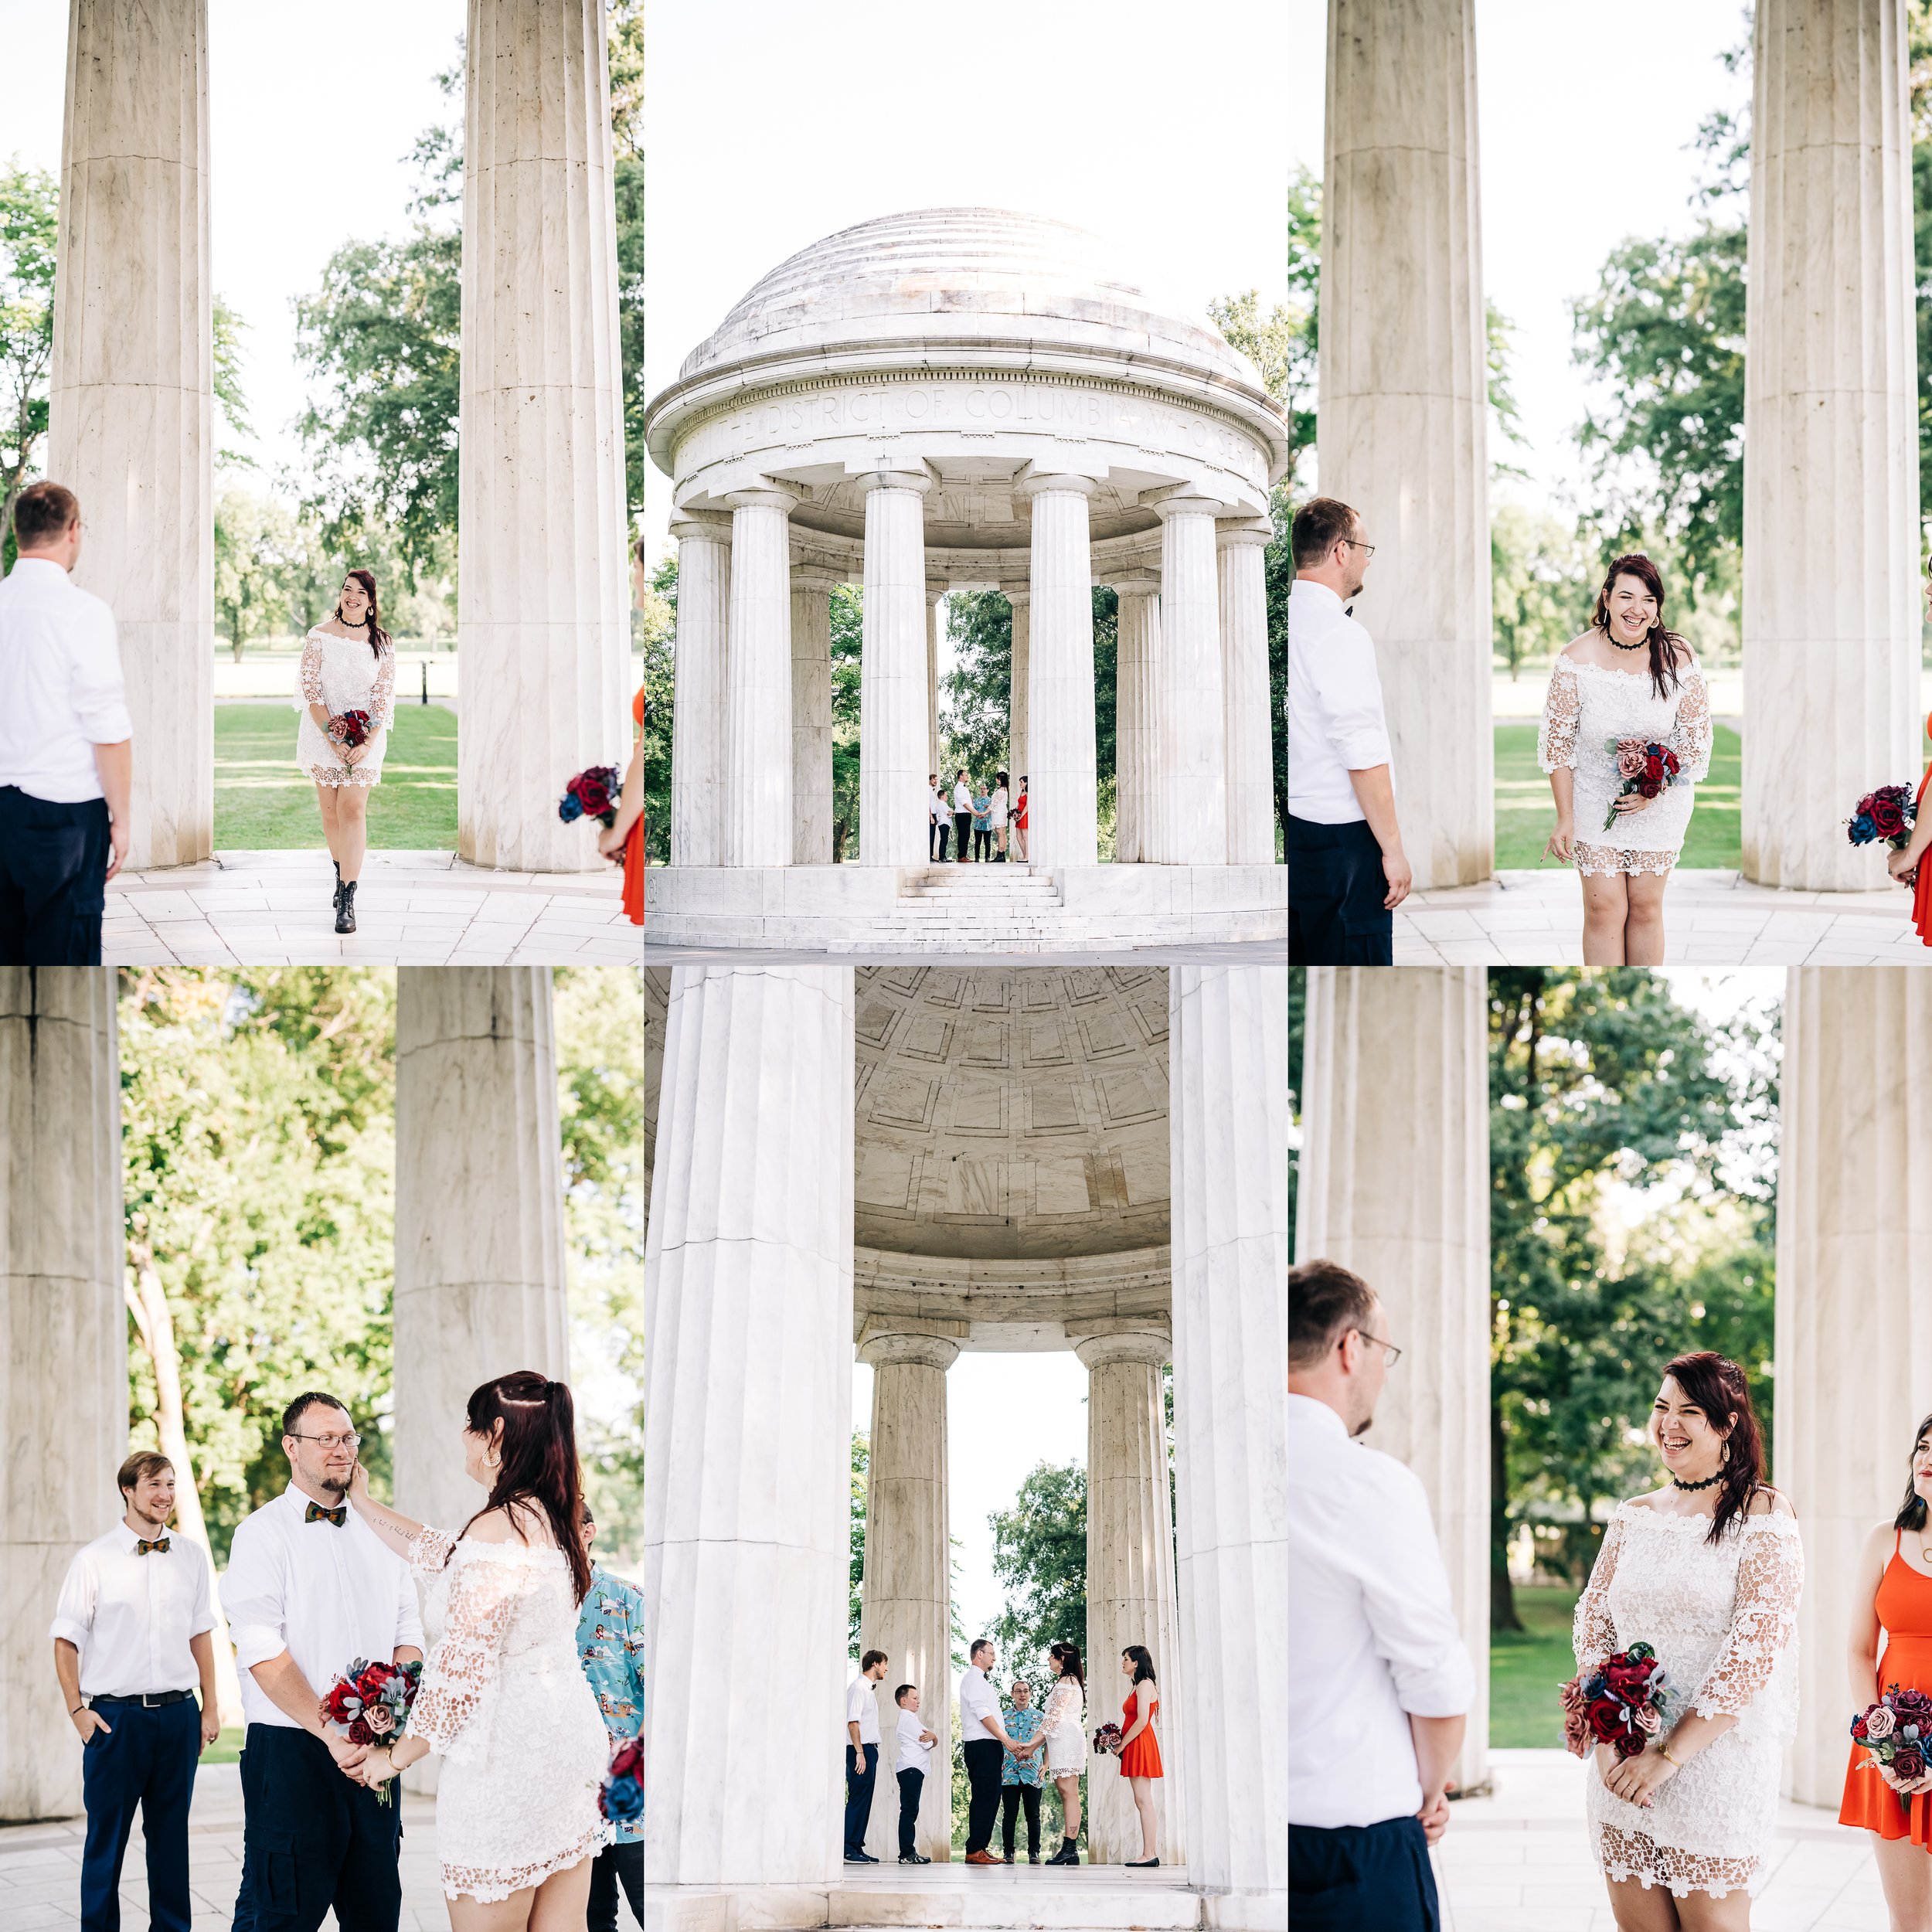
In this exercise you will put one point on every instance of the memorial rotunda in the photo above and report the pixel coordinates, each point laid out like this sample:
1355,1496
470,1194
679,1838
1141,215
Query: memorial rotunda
966,398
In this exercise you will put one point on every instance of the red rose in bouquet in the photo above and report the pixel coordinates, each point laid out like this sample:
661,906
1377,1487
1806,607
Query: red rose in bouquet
349,728
1645,767
591,794
1623,1703
1884,815
1896,1733
371,1701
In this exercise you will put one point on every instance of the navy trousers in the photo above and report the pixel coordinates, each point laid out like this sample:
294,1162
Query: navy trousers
53,882
145,1759
858,1795
1335,891
311,1840
983,1756
615,1862
1354,1876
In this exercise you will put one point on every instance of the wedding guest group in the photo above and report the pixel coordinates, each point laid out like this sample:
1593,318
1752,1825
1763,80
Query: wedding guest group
131,1647
1347,870
67,743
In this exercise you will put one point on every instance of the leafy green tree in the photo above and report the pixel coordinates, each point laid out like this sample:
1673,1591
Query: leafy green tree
258,549
1541,582
626,58
1298,380
1039,1554
855,1574
29,230
847,631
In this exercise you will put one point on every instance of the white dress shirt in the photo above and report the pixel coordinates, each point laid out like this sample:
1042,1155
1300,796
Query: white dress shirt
862,1709
913,1755
325,1595
60,688
1373,1636
978,1701
962,798
130,1617
1336,720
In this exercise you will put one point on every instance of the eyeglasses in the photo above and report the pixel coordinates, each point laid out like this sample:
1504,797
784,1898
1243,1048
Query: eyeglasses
329,1442
1394,1353
1368,549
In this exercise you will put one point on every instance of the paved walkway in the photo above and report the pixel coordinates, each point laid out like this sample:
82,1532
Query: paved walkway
1518,1861
1710,918
413,909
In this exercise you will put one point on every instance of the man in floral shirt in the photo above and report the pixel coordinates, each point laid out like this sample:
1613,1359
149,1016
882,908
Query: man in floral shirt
610,1646
1019,1778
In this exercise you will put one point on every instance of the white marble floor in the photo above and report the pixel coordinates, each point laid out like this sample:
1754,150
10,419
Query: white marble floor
1711,918
1518,1861
413,909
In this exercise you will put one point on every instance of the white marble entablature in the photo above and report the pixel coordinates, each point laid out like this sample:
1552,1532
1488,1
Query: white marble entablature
1001,1305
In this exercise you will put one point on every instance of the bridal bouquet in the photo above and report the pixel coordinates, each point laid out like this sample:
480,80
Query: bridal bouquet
1624,1703
1107,1740
349,728
372,1702
591,794
1644,766
1896,1733
621,1796
1886,814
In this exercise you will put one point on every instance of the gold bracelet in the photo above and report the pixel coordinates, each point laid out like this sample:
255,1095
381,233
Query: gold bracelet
1663,1751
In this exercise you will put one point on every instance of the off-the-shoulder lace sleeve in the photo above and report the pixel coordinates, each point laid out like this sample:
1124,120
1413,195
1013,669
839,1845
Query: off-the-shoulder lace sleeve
460,1670
430,1551
1556,743
1593,1636
1061,1705
383,703
312,670
1771,1573
1690,737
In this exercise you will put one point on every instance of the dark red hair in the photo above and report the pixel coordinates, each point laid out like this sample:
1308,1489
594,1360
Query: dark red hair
538,1465
1664,643
377,637
1716,1385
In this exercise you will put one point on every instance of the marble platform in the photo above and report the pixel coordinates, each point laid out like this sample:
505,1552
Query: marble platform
413,909
1711,918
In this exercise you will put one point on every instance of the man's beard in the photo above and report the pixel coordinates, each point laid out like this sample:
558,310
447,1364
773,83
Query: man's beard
337,1486
1349,596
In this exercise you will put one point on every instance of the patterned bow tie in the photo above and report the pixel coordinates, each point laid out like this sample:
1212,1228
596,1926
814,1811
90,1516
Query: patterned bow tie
338,1515
160,1543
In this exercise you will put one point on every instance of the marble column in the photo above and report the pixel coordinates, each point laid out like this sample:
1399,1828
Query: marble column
543,592
698,713
748,1353
1228,1133
1061,819
757,816
1139,643
812,715
1854,1336
907,1601
1243,555
1404,396
1187,821
1130,1576
63,1395
894,705
1022,601
935,623
480,1284
129,419
1831,537
1395,1184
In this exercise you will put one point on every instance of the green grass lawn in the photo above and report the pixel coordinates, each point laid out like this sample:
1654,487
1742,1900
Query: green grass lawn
226,1749
262,799
1525,815
1527,1667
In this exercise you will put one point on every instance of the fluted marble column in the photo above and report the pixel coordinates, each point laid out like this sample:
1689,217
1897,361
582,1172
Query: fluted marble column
1395,1184
1830,615
1854,1340
480,1285
1129,1578
748,1352
810,715
1139,643
63,1390
1061,821
131,394
1187,823
758,804
1243,556
907,1602
544,590
1404,401
893,707
699,710
1228,1133
1022,601
935,598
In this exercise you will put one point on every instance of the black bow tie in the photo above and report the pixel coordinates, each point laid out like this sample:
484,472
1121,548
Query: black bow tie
160,1543
338,1515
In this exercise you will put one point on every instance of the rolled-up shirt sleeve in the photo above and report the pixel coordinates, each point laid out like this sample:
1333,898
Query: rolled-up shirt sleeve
99,696
1349,694
409,1611
201,1618
73,1609
253,1589
1410,1613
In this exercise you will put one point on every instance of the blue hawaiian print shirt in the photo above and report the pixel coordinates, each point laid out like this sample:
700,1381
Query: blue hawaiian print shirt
1022,1726
611,1647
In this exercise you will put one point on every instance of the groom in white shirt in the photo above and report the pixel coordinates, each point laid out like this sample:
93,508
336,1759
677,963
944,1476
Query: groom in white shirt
1347,871
1380,1682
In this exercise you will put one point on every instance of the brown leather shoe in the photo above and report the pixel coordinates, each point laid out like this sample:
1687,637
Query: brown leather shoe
982,1858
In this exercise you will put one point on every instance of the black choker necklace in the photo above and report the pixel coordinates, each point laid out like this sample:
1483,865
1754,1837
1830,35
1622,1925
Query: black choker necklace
1637,646
1681,1483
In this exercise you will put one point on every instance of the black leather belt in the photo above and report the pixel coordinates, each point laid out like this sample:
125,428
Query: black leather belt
147,1700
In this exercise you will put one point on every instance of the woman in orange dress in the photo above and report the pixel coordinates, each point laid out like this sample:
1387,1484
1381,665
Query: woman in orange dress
622,842
1904,866
1893,1597
1140,1746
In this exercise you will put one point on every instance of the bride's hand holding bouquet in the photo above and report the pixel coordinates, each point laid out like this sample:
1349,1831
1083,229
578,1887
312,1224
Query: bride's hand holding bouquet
1620,1709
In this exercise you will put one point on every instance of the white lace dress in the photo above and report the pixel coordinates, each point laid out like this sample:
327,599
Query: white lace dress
344,674
1722,1619
1586,707
504,1699
1064,1723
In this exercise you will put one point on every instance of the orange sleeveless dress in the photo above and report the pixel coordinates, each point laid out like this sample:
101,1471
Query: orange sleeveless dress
633,841
1904,1608
1142,1757
1921,885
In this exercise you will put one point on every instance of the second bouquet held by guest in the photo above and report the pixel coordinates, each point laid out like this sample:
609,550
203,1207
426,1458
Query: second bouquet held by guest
610,1648
1628,680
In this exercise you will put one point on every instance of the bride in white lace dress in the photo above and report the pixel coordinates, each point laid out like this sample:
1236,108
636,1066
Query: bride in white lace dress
504,1697
1707,1571
1627,676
